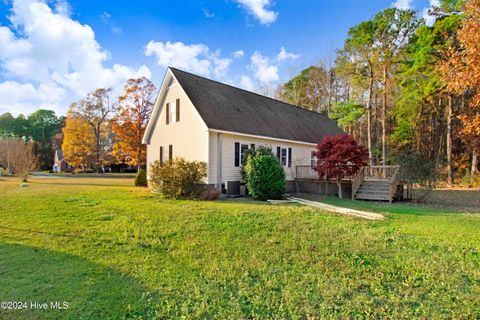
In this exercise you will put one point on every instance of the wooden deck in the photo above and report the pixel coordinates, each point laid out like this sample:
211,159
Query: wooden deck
378,183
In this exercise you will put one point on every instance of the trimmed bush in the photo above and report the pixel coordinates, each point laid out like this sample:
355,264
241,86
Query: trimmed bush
141,178
263,175
178,179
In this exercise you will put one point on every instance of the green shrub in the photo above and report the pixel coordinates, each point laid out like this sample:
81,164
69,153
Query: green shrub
470,181
263,175
178,179
141,178
419,172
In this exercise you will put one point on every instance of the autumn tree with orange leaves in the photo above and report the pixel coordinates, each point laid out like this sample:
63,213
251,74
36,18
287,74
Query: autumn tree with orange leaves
130,121
461,72
79,141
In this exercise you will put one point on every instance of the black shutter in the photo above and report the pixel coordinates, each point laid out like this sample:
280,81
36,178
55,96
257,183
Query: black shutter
178,110
279,153
289,157
167,113
252,146
170,153
237,154
161,155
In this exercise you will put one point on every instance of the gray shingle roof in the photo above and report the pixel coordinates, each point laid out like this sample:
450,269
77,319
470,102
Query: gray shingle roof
224,107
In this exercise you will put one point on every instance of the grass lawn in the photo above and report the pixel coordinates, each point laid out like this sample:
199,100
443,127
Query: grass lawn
113,251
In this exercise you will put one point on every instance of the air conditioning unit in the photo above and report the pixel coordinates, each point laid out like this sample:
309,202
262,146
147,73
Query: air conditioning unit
233,188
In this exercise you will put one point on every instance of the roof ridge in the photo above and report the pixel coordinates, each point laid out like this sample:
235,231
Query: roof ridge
251,92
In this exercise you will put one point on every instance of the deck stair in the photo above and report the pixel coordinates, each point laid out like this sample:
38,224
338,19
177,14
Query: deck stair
378,183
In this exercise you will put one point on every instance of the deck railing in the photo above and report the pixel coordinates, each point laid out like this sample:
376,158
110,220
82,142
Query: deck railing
389,174
357,181
306,172
310,172
394,179
380,172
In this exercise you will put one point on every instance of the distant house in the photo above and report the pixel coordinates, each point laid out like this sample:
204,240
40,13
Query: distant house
59,163
205,120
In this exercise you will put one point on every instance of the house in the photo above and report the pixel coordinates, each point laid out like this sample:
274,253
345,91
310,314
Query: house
59,163
205,120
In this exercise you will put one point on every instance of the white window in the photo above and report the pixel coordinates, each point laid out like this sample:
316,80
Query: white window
172,112
313,159
243,150
284,156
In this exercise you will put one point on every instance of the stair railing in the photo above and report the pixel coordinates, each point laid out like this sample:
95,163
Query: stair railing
394,183
357,181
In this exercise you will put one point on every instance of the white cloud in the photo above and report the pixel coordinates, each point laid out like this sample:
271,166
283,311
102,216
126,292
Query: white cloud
247,83
24,97
55,60
258,8
238,54
403,4
107,20
265,72
208,14
196,58
62,7
284,55
429,19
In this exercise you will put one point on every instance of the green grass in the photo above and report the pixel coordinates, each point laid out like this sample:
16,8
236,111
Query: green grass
114,251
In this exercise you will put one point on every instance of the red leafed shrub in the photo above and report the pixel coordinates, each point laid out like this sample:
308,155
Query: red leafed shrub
338,157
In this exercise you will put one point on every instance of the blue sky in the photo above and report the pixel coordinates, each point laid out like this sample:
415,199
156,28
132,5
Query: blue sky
53,52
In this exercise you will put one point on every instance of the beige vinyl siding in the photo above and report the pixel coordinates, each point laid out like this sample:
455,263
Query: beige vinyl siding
212,158
189,136
300,154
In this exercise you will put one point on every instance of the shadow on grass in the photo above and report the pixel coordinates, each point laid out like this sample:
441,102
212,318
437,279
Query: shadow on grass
467,200
30,274
75,183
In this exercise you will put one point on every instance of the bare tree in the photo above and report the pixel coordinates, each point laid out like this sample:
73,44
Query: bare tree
17,156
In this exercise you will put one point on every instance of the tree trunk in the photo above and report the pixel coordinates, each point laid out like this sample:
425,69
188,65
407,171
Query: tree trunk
369,119
449,140
97,146
9,169
384,118
474,170
339,189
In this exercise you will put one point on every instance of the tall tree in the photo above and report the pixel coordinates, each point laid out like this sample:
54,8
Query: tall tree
79,141
358,60
423,96
393,31
310,89
462,73
43,125
347,114
95,109
129,124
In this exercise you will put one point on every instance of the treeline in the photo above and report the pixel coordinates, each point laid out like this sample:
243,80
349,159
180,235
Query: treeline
41,130
98,131
405,89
